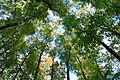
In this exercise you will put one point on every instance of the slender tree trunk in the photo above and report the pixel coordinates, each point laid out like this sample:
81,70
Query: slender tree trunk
81,68
77,59
110,50
68,76
23,74
40,56
67,64
52,71
104,45
21,65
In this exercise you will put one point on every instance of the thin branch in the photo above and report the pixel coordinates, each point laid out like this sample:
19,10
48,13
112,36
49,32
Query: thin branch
21,65
2,71
8,40
8,25
11,45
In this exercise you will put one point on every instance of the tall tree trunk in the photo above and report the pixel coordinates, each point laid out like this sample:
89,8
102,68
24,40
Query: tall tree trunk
110,50
81,68
104,45
68,76
77,59
40,56
21,65
52,70
67,64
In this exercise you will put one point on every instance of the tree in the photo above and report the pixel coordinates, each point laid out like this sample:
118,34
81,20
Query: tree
49,39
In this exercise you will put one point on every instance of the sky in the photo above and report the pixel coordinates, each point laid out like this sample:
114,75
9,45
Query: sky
72,76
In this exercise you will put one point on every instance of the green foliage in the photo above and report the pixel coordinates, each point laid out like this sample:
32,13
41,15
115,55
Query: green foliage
28,28
69,34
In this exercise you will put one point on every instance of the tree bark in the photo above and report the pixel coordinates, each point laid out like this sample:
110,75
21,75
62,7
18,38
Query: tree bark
68,76
52,71
81,68
110,50
40,56
67,64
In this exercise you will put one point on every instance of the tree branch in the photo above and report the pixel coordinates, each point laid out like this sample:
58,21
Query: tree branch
9,47
21,65
8,40
2,71
8,26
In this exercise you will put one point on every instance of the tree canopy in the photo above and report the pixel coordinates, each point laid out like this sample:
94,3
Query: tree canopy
49,39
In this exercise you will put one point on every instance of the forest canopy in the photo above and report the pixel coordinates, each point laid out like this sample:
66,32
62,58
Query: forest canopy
49,39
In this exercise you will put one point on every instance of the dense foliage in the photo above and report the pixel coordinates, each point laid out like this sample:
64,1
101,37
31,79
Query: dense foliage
49,39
